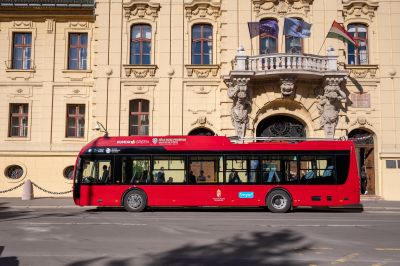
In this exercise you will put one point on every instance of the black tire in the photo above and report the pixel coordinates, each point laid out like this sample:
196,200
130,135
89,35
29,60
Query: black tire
279,201
135,201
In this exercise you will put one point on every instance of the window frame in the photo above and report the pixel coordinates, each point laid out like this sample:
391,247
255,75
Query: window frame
142,39
358,40
23,46
203,40
21,115
78,46
139,113
76,117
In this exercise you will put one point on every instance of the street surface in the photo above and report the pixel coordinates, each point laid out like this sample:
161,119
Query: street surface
75,236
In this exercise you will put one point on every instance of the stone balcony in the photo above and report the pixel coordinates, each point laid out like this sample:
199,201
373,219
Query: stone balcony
305,66
287,70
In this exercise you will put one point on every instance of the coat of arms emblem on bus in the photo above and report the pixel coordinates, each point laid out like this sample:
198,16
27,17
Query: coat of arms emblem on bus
155,140
219,194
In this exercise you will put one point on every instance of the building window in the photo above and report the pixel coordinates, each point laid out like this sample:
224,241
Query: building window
22,51
77,51
268,36
294,45
139,118
75,120
358,55
14,172
140,44
202,44
18,120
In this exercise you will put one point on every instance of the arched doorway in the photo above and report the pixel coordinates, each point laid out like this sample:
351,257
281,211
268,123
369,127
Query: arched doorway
280,126
364,144
201,131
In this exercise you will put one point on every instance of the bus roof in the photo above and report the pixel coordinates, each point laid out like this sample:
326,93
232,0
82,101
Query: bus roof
209,143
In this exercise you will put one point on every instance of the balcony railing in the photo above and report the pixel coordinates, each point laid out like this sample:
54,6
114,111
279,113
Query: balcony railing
278,63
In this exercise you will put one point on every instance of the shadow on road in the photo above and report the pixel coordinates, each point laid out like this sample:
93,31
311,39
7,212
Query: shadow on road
258,248
8,261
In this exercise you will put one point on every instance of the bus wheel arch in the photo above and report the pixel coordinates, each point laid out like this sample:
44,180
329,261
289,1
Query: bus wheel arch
134,200
279,200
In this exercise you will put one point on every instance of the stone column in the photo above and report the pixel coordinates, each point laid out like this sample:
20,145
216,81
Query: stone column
330,104
237,90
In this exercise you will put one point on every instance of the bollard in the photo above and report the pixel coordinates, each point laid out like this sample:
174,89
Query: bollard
27,190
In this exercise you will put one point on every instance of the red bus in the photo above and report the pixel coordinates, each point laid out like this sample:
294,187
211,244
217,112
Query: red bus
142,171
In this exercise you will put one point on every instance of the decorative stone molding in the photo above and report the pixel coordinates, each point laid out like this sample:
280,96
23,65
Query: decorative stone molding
330,104
23,24
237,91
361,71
79,24
24,92
134,9
50,25
361,121
82,92
281,7
203,9
359,9
140,71
202,121
287,85
202,71
141,89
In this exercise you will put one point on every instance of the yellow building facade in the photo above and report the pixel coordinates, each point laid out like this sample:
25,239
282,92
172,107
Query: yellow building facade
180,67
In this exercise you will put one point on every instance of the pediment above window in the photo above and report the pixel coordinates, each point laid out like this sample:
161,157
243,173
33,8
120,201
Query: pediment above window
141,9
281,7
203,9
359,9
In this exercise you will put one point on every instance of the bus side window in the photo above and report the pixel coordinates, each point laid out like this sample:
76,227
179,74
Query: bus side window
271,170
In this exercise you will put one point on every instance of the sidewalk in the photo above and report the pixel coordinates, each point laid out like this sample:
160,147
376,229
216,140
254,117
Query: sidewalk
371,205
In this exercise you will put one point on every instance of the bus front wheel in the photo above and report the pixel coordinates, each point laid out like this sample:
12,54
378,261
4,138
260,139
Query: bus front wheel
279,201
135,201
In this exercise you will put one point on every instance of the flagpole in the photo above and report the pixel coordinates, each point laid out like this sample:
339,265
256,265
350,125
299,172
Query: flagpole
322,44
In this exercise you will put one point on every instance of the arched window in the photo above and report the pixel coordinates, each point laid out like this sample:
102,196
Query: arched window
139,117
358,55
268,36
201,131
140,44
202,44
293,45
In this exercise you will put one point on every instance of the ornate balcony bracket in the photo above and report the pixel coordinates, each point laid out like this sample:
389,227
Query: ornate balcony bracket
202,71
140,71
361,71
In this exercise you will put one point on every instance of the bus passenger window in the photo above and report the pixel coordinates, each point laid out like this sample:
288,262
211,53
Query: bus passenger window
203,169
96,171
236,169
169,170
271,170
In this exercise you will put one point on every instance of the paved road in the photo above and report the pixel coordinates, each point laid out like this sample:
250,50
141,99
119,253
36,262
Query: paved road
45,235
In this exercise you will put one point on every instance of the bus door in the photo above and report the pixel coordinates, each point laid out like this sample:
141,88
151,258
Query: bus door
317,180
97,175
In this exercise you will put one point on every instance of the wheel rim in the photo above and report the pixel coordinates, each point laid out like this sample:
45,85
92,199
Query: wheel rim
279,202
134,201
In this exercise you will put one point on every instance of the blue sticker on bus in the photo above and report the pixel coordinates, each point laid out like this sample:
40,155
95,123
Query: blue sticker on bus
246,195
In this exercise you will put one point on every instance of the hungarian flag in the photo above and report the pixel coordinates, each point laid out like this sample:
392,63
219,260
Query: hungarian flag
338,32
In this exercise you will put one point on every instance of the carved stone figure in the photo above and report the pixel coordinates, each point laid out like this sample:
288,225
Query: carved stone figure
329,105
287,86
239,113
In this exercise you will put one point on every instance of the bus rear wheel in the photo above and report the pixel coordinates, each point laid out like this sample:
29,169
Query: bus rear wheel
135,201
279,201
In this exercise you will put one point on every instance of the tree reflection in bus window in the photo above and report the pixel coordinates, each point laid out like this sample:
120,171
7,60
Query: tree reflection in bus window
173,169
135,170
317,170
